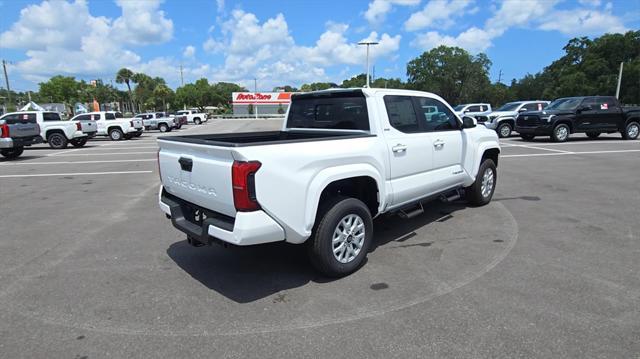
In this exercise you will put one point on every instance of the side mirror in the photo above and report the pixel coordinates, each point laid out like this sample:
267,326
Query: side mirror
522,109
465,111
469,122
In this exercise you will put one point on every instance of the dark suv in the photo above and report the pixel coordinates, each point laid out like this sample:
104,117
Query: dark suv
592,115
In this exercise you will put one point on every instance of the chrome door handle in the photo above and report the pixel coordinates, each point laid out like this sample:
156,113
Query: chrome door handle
399,148
438,143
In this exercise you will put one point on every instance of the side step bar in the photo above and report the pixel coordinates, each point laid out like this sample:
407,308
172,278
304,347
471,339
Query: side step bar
418,209
451,197
412,211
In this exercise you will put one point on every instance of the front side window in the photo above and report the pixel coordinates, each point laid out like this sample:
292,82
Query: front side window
435,115
402,115
83,118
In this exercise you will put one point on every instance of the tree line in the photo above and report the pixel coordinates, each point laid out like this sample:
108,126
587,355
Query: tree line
588,67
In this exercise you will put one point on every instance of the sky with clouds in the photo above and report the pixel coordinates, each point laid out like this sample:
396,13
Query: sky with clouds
288,41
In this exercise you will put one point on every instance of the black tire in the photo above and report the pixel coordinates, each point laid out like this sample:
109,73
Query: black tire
320,245
12,153
128,136
504,130
593,135
197,121
631,131
115,134
79,143
57,141
558,131
474,193
137,134
528,137
179,126
163,127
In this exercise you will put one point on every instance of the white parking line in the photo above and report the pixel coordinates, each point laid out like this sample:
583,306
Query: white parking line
72,162
541,148
106,154
516,142
568,153
75,174
63,152
98,148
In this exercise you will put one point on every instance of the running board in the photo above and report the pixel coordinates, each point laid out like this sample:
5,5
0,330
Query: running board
451,197
416,211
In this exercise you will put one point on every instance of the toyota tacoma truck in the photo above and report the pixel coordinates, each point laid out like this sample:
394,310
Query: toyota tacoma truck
503,120
157,121
53,130
108,124
592,115
17,131
341,158
193,116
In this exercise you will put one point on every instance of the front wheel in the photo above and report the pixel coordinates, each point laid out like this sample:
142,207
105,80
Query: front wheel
197,121
631,131
504,130
79,143
12,153
342,237
528,137
163,127
560,133
481,191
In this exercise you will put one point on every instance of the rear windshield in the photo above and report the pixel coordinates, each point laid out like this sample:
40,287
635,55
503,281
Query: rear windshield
338,111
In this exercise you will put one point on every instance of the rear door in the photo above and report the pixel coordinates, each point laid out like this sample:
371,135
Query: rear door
410,150
610,114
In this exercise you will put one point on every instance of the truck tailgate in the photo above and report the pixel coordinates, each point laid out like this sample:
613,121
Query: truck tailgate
200,174
22,127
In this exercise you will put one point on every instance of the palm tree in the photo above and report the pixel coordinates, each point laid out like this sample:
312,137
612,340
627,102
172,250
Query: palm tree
162,91
125,75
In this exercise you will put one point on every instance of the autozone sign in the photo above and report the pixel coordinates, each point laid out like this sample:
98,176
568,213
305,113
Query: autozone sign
261,98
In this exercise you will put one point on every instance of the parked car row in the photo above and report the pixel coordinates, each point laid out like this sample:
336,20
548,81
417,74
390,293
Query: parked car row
22,129
559,119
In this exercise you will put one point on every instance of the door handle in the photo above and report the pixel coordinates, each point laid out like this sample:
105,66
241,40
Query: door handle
438,143
399,148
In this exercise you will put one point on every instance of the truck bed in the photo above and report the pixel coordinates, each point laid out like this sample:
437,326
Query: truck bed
244,139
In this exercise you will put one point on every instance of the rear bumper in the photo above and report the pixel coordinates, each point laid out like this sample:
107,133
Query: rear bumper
247,228
19,141
91,134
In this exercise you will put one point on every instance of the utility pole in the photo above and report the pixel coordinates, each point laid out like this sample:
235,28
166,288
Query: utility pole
181,75
6,79
500,76
619,81
29,94
255,96
368,43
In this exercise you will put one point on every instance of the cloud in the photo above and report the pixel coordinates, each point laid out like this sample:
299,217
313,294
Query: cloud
583,22
189,51
142,23
378,9
473,40
220,5
437,13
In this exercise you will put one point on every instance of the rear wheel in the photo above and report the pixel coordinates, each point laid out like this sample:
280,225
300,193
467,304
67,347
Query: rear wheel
12,153
560,133
79,143
481,191
342,237
163,127
57,141
593,134
116,134
128,136
631,131
527,137
504,130
197,121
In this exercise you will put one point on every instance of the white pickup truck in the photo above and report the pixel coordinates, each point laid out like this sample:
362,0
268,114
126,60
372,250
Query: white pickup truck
56,132
109,124
157,121
341,158
193,116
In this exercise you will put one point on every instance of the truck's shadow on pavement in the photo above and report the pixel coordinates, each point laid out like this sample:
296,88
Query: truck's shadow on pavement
251,273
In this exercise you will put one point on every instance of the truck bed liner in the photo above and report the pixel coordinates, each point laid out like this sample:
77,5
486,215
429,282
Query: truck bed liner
264,138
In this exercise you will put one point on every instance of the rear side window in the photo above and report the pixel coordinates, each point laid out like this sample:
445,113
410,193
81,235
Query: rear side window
50,116
402,115
339,111
606,104
109,116
84,118
533,107
159,114
119,115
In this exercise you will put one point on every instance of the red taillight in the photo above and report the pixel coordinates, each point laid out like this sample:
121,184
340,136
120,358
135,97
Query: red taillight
244,186
4,131
78,126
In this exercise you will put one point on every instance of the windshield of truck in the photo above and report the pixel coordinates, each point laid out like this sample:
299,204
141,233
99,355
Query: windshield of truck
570,103
511,106
335,111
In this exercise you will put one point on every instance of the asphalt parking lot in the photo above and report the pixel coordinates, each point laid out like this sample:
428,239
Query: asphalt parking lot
89,266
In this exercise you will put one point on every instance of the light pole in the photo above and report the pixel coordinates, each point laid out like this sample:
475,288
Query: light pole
368,43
